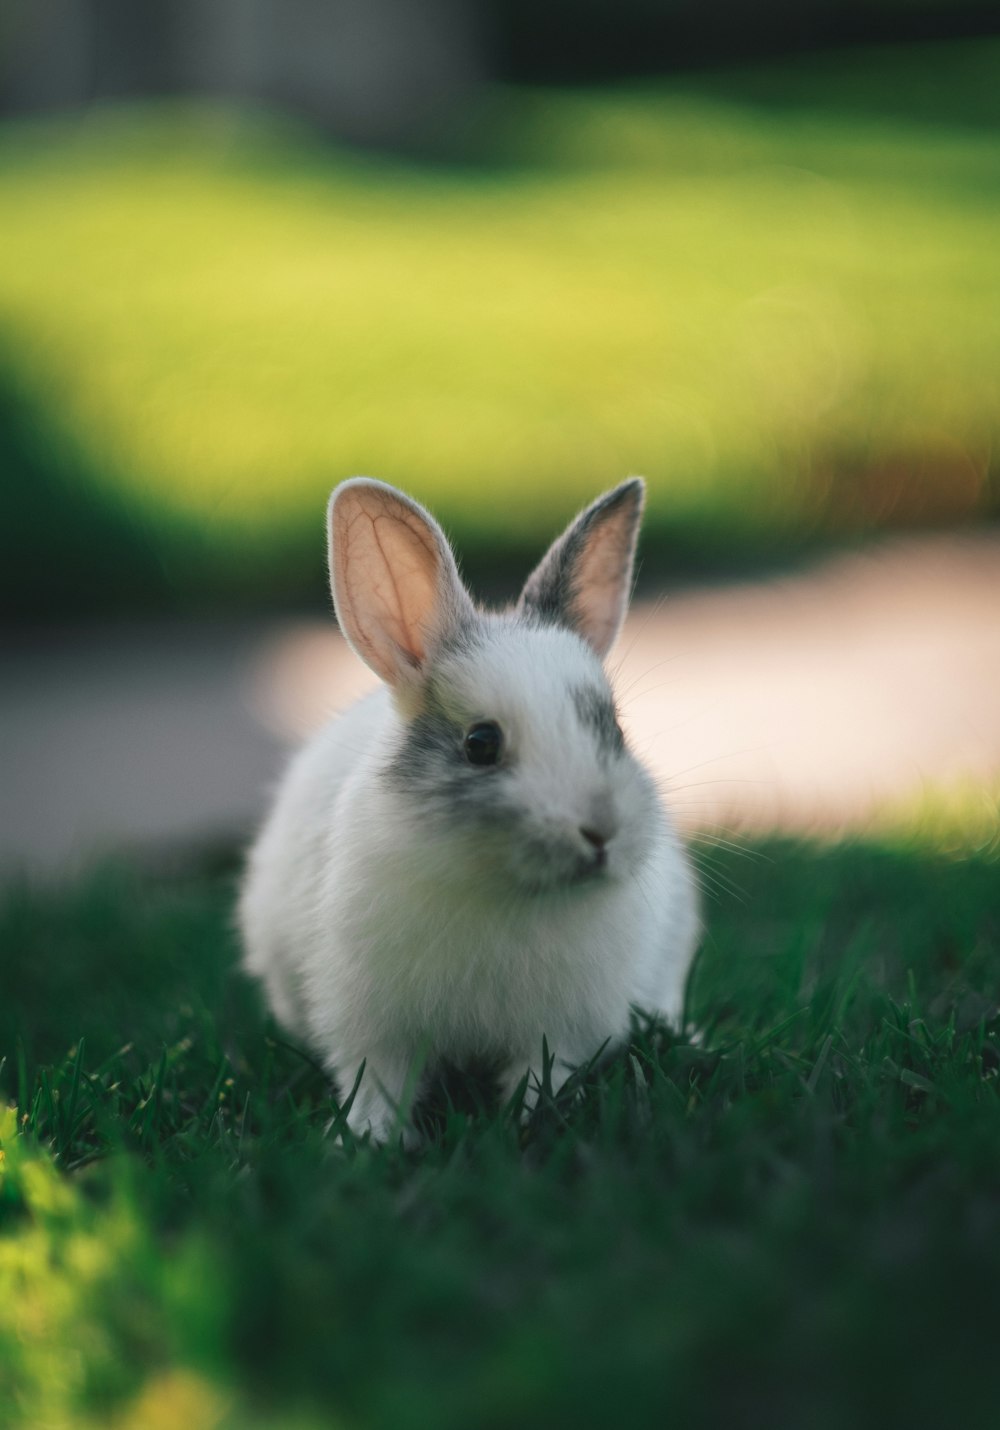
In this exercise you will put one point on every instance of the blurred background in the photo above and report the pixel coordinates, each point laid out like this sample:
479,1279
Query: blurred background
500,254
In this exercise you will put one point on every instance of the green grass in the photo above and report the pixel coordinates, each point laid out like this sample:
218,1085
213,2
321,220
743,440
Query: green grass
774,292
794,1224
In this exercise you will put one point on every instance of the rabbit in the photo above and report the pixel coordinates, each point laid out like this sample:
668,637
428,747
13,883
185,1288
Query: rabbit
470,859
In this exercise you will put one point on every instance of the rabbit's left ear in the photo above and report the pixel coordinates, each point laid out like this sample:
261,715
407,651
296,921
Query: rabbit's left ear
583,580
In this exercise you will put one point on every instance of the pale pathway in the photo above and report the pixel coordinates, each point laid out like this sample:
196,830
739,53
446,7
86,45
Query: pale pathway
806,703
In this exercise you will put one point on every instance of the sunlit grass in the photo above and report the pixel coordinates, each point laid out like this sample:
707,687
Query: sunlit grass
960,820
785,317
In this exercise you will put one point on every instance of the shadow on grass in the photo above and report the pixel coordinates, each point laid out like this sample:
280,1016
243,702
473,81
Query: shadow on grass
73,550
65,549
949,86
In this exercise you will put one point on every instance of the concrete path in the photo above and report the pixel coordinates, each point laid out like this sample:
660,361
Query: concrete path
806,703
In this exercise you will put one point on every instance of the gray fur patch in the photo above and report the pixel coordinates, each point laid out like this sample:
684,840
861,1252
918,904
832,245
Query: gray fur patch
431,766
550,594
596,711
551,591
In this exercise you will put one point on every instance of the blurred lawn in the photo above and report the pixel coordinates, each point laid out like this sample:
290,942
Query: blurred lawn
774,293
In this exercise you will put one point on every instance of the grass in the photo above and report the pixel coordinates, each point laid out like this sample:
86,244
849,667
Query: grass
774,292
794,1223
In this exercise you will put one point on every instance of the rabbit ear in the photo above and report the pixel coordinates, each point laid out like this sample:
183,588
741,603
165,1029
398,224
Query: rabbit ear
396,588
584,578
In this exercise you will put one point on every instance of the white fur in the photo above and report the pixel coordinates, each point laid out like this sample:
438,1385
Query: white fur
390,933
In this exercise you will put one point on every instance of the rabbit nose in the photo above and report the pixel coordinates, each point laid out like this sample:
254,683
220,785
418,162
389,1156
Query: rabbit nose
598,842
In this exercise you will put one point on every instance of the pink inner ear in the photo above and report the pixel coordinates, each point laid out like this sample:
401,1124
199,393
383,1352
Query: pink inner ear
386,580
601,584
398,571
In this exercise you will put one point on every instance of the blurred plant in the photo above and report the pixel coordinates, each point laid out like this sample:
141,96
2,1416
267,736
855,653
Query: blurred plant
771,295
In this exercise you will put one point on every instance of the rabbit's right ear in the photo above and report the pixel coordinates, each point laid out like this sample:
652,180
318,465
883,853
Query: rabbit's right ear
396,588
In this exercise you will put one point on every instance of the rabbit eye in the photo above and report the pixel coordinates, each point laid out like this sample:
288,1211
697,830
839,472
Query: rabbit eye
483,743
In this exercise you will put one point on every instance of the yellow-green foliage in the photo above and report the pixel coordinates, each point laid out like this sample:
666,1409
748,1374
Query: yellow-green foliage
958,821
783,313
89,1308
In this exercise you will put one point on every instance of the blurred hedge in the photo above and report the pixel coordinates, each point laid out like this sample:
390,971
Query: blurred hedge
773,291
594,39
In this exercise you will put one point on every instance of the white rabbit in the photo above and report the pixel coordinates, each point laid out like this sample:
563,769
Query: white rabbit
471,858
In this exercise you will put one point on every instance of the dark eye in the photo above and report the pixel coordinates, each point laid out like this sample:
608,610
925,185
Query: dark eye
483,743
